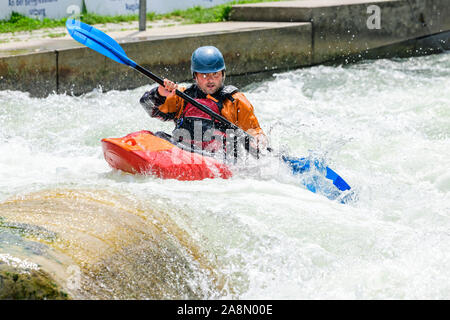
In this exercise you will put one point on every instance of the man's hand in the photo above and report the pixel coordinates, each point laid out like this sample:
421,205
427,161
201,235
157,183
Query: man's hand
168,89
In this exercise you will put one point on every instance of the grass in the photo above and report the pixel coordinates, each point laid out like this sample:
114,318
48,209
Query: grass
57,35
18,22
194,15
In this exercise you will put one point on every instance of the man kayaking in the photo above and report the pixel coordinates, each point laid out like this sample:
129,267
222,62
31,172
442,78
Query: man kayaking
208,71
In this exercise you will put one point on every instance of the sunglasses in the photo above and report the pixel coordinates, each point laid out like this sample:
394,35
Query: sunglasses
214,75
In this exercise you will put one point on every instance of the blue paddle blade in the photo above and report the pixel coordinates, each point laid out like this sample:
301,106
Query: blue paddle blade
98,41
337,180
317,177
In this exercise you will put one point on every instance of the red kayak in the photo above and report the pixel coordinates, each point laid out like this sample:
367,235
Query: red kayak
145,153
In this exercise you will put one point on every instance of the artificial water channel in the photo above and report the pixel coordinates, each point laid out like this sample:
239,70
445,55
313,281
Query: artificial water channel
383,125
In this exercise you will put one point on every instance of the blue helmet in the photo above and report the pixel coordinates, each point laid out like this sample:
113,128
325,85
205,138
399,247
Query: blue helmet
207,59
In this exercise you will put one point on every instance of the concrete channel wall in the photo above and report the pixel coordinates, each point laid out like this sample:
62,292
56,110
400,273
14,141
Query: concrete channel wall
247,48
272,47
282,36
347,28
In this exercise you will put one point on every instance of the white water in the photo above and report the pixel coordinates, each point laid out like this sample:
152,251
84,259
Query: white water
383,125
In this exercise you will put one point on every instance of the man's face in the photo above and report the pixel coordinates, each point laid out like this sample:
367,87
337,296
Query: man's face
209,83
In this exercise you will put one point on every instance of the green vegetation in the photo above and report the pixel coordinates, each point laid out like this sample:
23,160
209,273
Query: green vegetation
57,35
18,22
194,15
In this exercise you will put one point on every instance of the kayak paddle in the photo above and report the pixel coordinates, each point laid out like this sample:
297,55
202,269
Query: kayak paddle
107,46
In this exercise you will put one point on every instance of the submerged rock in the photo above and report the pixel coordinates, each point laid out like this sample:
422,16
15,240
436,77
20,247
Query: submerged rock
101,245
29,285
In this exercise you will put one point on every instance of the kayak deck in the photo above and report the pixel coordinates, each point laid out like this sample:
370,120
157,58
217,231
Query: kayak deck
144,153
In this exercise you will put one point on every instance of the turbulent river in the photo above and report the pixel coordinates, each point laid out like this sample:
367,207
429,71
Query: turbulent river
383,125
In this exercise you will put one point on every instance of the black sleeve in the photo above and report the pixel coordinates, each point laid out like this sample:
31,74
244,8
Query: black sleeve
151,100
